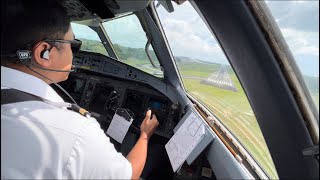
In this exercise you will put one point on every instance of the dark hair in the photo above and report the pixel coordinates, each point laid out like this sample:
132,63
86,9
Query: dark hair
26,22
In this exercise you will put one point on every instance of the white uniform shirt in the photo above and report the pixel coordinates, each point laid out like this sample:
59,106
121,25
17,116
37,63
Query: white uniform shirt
42,141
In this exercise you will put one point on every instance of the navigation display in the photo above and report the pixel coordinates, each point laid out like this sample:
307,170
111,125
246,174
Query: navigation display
159,108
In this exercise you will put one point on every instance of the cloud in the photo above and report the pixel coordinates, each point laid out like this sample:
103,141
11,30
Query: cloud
83,31
193,46
126,32
305,49
300,15
189,36
298,2
299,24
298,21
302,42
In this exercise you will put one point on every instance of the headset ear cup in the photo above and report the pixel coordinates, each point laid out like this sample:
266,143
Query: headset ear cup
45,54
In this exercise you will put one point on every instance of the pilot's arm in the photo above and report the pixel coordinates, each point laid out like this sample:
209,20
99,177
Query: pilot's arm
138,155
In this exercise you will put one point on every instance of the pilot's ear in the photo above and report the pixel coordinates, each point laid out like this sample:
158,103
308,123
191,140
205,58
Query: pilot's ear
41,54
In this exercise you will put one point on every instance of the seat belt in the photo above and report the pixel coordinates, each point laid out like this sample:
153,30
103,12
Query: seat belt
9,96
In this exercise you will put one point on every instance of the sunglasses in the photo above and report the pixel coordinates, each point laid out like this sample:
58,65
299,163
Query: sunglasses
75,44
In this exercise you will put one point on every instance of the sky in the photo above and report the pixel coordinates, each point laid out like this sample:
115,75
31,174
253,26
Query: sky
188,35
299,24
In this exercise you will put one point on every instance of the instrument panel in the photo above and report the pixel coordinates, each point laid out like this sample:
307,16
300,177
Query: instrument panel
101,84
102,95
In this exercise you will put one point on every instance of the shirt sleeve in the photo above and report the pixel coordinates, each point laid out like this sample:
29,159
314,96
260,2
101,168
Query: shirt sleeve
94,157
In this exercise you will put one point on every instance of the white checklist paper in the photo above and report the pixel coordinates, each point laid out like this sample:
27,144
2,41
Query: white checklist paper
184,141
119,127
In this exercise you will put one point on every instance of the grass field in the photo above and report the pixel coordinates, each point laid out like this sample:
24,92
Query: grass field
143,65
235,113
232,109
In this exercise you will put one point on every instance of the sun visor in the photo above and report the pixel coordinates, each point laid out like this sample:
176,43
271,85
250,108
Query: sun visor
79,10
119,7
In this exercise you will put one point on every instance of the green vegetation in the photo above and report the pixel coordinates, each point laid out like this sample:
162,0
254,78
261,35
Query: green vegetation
231,108
124,53
189,69
135,57
93,46
134,53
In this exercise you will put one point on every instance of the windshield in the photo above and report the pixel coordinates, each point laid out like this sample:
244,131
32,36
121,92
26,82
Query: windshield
90,39
129,44
129,40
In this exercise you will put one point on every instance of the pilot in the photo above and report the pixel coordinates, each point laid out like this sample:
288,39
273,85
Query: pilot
39,139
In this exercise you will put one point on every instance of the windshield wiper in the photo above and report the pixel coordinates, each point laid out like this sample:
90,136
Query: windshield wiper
149,57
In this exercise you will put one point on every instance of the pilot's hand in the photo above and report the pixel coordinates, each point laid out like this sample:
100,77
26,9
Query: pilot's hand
149,124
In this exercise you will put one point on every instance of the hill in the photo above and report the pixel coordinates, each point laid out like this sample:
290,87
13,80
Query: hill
312,83
186,65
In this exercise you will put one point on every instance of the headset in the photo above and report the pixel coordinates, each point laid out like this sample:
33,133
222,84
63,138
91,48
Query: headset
45,54
24,57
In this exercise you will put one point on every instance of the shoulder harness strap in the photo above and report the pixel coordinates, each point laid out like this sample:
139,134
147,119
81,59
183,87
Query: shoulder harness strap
9,96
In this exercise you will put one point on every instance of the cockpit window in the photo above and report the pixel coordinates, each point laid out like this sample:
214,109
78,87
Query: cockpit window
208,77
299,24
90,39
129,41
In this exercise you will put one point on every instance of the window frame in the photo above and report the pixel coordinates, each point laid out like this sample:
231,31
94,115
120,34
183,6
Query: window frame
288,66
268,91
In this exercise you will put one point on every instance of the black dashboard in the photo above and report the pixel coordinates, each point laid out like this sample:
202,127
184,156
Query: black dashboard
101,93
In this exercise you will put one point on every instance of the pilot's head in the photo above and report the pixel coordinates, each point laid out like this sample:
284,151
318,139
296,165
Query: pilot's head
36,26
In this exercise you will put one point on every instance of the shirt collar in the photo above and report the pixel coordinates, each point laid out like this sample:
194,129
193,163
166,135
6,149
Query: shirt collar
11,78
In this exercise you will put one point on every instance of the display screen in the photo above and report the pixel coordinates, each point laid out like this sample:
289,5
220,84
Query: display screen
156,105
100,97
74,86
78,86
134,102
139,103
159,108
